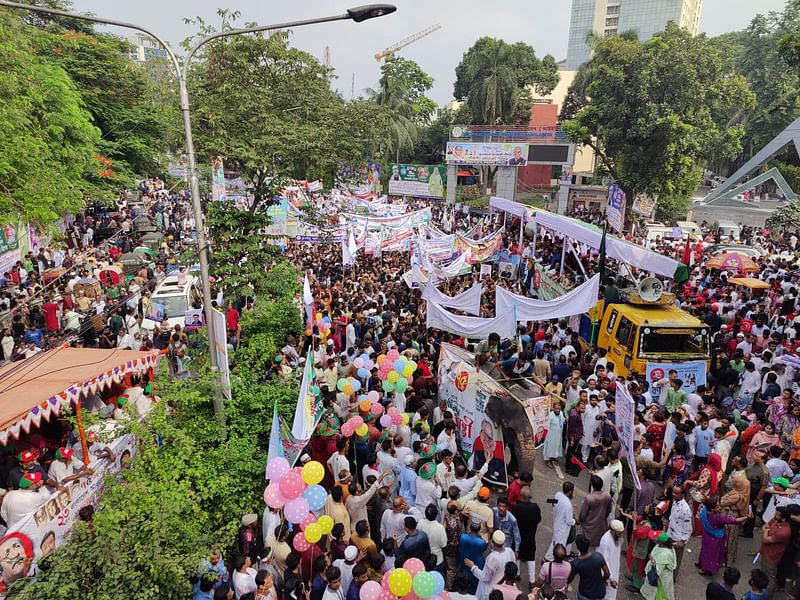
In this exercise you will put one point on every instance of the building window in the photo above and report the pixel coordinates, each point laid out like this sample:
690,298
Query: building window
612,22
610,32
612,10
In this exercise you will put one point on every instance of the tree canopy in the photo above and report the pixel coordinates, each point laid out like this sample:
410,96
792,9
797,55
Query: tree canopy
494,77
655,111
47,140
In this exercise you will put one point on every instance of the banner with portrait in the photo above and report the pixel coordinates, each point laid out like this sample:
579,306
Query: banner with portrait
41,532
538,411
692,373
492,153
468,394
420,181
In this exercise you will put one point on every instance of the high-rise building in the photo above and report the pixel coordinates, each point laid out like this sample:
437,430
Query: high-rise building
142,48
610,17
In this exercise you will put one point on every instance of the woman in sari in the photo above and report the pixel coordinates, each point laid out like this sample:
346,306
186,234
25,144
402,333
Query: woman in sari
639,544
657,430
663,559
712,547
787,425
763,441
703,485
736,504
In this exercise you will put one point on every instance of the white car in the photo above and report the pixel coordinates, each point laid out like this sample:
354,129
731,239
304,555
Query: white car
172,300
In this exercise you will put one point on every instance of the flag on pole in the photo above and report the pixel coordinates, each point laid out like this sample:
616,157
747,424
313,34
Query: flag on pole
687,253
304,417
603,256
275,441
308,302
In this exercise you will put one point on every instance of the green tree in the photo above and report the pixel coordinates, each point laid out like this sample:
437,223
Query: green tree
655,111
786,216
493,77
47,140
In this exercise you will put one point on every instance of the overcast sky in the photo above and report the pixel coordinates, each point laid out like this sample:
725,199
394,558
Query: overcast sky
543,24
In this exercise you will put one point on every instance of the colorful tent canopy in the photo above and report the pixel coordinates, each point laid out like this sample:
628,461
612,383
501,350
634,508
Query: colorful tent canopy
46,383
749,282
733,261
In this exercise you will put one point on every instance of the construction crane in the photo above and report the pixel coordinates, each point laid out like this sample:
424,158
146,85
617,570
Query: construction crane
407,41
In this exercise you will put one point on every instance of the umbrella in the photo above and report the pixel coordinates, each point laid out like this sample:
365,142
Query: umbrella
733,261
152,237
110,276
144,250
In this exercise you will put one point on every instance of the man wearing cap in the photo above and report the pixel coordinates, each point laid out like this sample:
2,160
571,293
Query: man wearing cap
97,449
480,509
346,564
27,460
493,569
65,468
428,489
19,503
408,480
610,548
776,536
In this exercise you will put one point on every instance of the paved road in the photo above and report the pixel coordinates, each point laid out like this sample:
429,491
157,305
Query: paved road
689,583
743,215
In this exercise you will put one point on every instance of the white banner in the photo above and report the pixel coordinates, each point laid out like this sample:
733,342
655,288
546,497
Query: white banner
472,327
468,301
467,393
576,302
625,407
221,350
45,529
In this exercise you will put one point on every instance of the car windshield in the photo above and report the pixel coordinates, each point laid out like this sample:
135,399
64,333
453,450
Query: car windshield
663,341
174,306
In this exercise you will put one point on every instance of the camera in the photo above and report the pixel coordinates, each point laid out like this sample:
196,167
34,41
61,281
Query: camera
551,501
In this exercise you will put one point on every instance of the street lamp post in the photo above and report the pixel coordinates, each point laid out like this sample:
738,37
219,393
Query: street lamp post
357,14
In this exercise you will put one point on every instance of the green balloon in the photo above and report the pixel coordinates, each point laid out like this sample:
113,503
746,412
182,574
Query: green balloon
424,585
388,386
401,385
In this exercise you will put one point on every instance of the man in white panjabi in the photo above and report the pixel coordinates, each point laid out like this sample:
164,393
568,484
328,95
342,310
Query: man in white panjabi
611,548
563,518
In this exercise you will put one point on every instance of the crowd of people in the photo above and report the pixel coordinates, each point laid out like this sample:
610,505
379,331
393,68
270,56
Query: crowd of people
712,463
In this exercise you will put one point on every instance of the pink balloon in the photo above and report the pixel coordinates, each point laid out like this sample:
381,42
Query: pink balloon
347,430
296,510
414,566
277,468
273,497
370,590
386,595
300,544
397,419
386,420
308,520
377,408
373,396
412,595
410,379
385,581
292,485
392,411
445,596
357,422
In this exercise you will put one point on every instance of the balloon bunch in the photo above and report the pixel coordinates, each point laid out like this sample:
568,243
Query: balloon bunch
297,492
370,404
355,425
394,417
395,371
348,385
410,582
364,365
323,325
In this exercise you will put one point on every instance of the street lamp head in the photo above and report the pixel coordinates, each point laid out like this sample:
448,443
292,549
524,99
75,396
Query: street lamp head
370,11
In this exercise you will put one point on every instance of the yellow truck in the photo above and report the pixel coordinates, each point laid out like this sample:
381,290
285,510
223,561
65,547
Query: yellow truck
639,331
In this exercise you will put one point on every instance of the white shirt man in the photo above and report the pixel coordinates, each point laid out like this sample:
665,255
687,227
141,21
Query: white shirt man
65,468
437,537
17,504
563,518
493,569
428,489
611,547
680,526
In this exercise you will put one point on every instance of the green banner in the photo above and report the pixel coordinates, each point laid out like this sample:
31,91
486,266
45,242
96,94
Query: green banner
420,181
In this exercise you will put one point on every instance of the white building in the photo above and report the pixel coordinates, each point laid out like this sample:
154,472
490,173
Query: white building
610,17
142,49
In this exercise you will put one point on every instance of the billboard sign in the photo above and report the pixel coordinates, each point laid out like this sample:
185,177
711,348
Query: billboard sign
420,181
493,154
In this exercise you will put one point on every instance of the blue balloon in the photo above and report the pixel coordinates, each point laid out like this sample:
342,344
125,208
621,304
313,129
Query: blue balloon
439,581
315,495
365,357
399,364
363,373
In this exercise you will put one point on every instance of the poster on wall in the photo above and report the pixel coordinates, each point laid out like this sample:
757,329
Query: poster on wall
643,205
468,393
615,207
420,181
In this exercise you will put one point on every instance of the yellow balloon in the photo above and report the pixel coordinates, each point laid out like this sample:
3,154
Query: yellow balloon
325,523
381,358
400,581
313,472
313,533
405,419
362,430
408,371
393,376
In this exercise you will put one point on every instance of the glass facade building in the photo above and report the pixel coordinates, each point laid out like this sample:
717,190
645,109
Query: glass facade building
609,17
